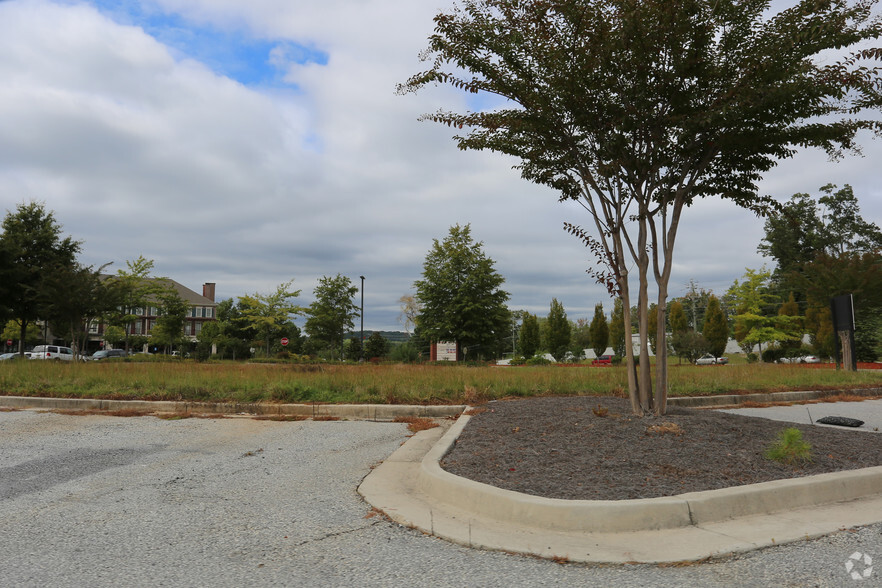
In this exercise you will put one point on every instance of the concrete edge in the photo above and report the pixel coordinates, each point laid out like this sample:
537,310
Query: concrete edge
616,516
734,400
372,412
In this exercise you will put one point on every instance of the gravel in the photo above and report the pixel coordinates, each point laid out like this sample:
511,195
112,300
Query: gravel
107,501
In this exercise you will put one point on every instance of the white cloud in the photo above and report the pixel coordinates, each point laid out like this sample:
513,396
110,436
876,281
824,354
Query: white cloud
140,150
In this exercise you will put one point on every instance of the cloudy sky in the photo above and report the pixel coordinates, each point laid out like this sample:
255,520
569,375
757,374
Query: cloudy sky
249,143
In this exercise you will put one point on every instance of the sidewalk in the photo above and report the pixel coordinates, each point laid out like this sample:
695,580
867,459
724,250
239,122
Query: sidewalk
411,488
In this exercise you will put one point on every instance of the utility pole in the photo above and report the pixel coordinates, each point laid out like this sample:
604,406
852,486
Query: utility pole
362,318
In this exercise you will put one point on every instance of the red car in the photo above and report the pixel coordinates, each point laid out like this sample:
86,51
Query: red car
603,360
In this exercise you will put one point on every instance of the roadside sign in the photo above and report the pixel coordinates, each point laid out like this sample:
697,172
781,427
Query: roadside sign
284,341
9,342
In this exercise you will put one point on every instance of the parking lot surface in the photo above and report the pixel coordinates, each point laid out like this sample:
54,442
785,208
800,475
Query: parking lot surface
108,501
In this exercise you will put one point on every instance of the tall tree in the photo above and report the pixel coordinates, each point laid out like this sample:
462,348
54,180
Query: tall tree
133,288
679,328
716,327
267,314
461,293
580,339
756,322
332,313
845,229
172,313
410,310
34,250
376,346
557,330
635,108
803,229
599,331
529,338
619,336
76,297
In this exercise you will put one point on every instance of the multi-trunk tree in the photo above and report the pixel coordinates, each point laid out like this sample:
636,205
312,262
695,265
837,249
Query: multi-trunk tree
636,108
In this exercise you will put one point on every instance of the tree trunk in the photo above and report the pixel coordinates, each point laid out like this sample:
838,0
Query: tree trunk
624,294
645,379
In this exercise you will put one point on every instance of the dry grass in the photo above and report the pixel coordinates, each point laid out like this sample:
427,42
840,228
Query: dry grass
474,411
281,417
392,384
601,411
664,429
8,409
416,424
325,418
125,412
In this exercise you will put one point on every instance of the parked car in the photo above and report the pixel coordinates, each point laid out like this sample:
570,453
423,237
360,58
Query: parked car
708,359
54,352
107,354
7,356
602,360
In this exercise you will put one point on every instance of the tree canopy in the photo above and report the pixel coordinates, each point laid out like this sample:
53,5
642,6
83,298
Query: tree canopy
267,314
635,108
557,331
332,313
32,250
460,293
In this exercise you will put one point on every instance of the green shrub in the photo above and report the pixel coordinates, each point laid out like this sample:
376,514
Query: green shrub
538,360
773,354
790,448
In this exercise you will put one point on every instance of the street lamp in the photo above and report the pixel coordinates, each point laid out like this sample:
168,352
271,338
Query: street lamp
362,317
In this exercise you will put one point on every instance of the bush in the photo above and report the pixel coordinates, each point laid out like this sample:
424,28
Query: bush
790,448
773,354
752,357
538,360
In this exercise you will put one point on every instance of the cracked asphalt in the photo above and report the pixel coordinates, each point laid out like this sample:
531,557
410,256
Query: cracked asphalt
107,501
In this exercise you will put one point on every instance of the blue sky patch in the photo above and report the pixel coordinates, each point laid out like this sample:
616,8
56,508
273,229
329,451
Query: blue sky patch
232,53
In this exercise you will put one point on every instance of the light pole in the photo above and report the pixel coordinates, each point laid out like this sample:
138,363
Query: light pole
362,317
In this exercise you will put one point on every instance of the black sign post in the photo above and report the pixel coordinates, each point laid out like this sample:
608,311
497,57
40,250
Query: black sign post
842,309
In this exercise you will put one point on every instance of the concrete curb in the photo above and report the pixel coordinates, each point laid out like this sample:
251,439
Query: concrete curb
735,400
372,412
617,516
411,489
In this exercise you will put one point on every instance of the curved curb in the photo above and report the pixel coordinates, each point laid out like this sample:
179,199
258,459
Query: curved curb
648,514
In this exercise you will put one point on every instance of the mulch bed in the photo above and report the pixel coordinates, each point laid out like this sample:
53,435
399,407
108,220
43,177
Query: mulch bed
557,447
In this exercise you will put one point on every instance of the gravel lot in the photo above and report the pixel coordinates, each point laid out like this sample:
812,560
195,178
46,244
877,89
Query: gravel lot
107,501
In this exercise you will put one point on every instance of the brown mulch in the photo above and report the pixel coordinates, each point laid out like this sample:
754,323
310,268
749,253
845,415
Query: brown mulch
557,447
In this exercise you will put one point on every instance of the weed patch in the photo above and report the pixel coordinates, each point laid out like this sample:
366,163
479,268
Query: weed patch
281,417
790,448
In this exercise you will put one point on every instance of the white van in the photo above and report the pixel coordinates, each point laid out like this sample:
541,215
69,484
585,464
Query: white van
52,352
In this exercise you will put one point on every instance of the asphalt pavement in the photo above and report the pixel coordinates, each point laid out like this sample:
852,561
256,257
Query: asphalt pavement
109,501
869,411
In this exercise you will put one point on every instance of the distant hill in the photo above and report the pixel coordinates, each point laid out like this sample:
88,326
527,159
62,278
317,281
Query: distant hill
392,336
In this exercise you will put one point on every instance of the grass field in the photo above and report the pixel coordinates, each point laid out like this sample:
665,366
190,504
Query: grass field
390,384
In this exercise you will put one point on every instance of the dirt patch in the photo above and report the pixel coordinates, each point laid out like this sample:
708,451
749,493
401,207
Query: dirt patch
563,448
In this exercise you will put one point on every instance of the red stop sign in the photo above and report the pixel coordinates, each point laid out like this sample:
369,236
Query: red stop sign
9,342
284,341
